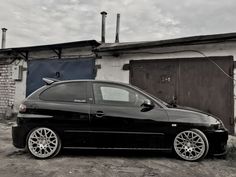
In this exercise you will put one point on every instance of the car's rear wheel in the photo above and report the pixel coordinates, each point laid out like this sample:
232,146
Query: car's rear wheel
191,145
43,143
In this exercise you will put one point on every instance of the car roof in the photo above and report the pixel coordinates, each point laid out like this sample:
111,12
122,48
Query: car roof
88,80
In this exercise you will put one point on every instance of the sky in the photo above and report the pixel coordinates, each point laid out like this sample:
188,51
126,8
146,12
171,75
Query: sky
41,22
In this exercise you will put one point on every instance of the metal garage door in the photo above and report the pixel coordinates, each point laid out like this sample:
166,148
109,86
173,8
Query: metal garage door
193,82
62,69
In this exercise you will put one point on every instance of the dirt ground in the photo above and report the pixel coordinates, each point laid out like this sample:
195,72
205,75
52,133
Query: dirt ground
18,163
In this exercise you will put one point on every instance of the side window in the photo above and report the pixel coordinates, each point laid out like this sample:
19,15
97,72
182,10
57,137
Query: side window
68,92
112,94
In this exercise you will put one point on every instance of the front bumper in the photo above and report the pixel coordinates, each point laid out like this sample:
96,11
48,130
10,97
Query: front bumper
217,142
18,136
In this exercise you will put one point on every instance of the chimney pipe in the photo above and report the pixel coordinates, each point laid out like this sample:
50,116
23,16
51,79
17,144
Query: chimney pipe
117,28
104,14
4,37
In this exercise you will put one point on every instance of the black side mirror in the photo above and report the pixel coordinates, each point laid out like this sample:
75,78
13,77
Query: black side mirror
173,102
147,106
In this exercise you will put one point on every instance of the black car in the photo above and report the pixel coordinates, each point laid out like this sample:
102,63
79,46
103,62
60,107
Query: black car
89,114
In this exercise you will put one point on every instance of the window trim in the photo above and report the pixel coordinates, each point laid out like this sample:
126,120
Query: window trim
121,85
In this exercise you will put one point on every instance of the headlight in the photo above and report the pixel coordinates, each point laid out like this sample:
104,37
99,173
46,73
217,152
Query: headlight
218,126
216,123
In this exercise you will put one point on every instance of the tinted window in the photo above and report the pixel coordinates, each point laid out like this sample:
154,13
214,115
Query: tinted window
112,94
72,92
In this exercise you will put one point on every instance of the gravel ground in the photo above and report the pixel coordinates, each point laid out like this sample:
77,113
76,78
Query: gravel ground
16,163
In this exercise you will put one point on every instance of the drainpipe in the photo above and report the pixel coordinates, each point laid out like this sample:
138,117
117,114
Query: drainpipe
4,37
104,14
117,28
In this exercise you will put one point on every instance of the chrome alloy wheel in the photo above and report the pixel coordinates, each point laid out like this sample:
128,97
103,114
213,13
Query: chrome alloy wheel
43,142
191,145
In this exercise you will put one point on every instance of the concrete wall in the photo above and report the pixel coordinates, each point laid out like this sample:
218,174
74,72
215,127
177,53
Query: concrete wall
111,67
20,86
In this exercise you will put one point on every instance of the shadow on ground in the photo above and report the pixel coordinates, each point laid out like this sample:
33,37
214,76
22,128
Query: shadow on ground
116,153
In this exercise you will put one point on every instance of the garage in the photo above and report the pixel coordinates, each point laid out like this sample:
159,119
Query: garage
61,69
202,83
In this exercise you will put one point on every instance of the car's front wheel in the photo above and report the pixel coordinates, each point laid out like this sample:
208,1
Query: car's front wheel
43,143
191,145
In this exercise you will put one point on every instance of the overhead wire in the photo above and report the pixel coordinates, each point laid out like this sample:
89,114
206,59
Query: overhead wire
214,64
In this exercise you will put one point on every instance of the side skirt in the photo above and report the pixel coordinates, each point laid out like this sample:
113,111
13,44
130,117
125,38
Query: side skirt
138,149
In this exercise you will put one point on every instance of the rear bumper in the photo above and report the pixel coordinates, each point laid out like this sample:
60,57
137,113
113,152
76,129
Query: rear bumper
217,142
18,136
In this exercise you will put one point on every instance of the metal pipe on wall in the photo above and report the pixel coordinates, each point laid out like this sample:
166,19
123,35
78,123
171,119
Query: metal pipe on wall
104,14
117,28
4,37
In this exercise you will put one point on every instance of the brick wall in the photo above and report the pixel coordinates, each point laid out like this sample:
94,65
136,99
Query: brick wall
7,89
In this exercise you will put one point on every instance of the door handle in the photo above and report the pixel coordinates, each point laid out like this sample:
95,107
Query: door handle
79,101
99,114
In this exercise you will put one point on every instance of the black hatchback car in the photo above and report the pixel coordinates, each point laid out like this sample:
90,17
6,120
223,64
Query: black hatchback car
91,114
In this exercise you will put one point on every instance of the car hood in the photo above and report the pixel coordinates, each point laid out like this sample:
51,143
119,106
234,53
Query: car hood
190,115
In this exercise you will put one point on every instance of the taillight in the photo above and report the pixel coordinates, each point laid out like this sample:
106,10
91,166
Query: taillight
22,108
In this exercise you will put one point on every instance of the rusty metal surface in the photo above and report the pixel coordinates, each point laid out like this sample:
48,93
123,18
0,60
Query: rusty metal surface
193,82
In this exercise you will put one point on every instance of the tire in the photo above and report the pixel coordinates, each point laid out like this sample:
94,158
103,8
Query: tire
43,143
191,145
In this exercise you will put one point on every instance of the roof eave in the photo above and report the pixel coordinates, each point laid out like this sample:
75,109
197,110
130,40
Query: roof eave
194,40
92,43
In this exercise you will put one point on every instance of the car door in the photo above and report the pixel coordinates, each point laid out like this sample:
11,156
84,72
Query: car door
118,121
68,105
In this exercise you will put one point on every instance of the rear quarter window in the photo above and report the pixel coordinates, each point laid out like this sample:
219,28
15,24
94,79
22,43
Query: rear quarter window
68,92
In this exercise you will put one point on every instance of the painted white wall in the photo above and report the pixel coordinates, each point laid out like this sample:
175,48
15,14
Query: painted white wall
20,86
111,67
